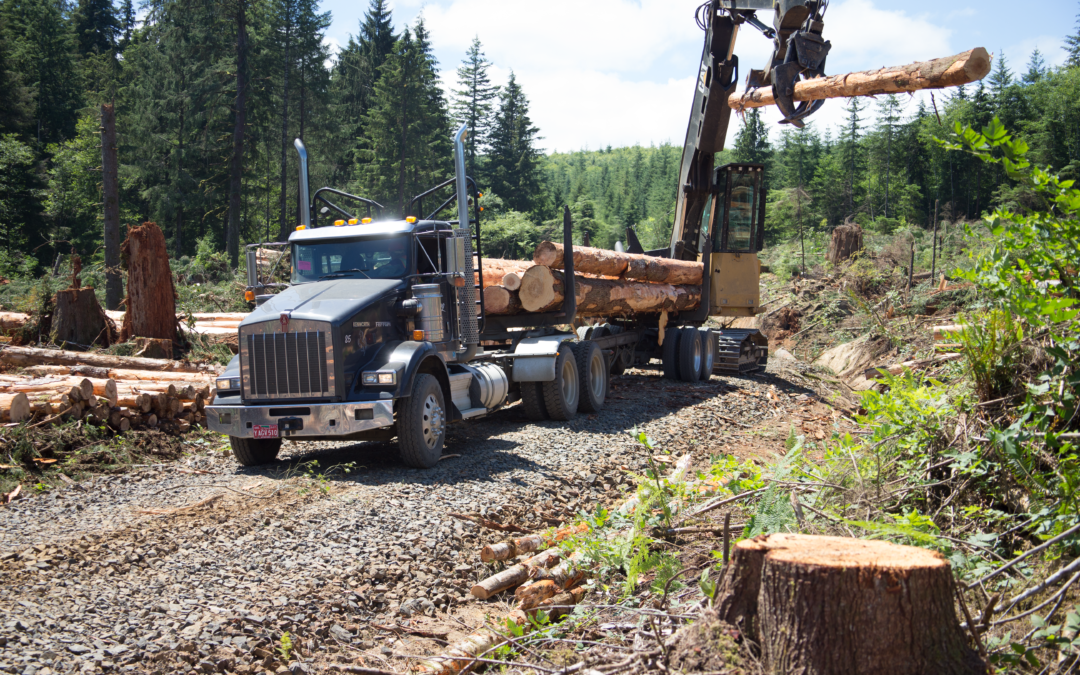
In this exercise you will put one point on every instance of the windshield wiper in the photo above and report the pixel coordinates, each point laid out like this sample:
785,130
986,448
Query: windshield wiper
341,273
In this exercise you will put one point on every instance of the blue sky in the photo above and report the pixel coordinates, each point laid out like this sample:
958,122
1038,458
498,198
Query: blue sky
619,72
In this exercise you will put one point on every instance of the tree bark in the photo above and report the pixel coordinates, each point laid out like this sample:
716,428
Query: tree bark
847,239
527,544
840,605
232,236
542,290
32,356
79,320
114,281
601,262
151,301
516,575
949,71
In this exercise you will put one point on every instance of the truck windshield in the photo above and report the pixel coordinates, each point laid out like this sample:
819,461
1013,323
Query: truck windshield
382,258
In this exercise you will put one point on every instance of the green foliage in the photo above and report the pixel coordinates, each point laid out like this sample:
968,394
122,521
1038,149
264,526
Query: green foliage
514,160
285,646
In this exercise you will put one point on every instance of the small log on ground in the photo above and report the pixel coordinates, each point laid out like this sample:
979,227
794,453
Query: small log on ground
500,300
847,239
151,299
14,407
949,71
542,290
516,575
32,356
529,543
606,263
79,319
840,605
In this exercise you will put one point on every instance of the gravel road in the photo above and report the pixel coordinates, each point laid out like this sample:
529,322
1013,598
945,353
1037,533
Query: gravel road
201,565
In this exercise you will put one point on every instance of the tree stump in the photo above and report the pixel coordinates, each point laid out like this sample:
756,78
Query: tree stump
820,605
78,319
151,297
153,348
847,239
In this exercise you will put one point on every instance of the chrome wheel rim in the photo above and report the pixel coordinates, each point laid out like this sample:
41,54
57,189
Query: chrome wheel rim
569,383
434,421
597,368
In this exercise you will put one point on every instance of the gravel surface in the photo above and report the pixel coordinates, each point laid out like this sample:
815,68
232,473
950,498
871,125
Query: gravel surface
201,565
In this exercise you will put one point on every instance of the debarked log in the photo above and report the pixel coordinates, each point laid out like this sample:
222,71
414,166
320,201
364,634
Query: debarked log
949,71
635,266
542,289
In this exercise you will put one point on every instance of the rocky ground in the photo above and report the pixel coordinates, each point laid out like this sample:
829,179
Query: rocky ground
200,565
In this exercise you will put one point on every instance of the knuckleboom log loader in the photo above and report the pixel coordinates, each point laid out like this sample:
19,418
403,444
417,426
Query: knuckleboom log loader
381,332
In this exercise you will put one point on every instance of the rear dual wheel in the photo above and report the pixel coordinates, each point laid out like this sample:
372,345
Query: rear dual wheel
581,383
688,353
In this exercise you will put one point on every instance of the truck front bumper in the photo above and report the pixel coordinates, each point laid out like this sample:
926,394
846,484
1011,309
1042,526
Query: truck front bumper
295,421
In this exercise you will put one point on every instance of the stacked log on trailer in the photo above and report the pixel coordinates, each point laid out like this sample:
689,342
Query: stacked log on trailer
608,283
123,392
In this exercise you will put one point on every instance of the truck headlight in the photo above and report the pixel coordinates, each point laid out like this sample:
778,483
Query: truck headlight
380,378
227,383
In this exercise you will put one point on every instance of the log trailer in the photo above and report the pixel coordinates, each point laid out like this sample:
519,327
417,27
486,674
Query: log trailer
381,332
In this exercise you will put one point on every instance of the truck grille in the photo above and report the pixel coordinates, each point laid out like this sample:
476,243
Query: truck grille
284,365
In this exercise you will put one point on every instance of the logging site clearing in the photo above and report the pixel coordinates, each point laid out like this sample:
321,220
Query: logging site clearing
739,435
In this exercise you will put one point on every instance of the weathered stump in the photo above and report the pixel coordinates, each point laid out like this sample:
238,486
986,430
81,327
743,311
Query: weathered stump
151,298
78,319
153,348
819,605
847,239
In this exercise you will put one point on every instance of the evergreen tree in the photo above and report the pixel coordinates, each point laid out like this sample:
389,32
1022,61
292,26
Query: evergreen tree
127,23
17,102
1036,68
42,44
97,28
472,105
850,141
752,141
888,117
514,160
1072,47
1001,78
353,80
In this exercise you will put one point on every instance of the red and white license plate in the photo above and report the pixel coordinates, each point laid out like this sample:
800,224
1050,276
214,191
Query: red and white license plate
265,430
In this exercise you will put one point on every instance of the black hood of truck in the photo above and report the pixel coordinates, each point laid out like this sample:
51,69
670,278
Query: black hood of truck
333,300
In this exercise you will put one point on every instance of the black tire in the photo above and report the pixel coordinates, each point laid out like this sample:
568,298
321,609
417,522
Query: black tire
532,401
563,394
255,451
592,375
422,423
585,332
690,355
669,353
708,351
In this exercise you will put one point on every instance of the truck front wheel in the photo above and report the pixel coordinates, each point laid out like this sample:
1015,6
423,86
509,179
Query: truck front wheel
255,451
422,423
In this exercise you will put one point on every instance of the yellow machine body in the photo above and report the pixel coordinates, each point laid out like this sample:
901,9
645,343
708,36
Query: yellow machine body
735,287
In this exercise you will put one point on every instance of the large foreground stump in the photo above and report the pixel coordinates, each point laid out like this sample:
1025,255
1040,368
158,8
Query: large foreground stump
823,605
151,298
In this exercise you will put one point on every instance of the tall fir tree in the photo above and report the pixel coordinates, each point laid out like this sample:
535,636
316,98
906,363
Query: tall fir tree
127,20
1036,68
852,134
1072,45
17,101
1000,78
514,160
473,103
887,118
97,27
752,141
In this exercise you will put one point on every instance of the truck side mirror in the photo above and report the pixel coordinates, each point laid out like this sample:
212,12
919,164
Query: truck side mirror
455,256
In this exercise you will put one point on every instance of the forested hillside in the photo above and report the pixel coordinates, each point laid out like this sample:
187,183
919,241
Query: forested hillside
210,95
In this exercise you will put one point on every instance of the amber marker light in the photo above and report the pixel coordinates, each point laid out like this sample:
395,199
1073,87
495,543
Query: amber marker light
418,335
353,221
249,296
366,221
410,219
339,223
301,227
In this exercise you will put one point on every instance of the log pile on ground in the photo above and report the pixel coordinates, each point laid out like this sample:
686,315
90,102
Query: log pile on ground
122,392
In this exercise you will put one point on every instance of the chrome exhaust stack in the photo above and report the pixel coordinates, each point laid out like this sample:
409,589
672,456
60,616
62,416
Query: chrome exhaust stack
304,196
459,176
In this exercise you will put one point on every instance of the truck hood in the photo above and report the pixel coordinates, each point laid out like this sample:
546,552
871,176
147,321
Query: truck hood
333,300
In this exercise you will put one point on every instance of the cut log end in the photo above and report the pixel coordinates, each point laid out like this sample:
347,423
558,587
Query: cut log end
537,289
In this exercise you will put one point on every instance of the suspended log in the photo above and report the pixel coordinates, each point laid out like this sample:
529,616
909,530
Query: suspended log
499,300
79,319
151,299
31,356
542,290
841,605
949,71
601,262
529,543
516,575
511,281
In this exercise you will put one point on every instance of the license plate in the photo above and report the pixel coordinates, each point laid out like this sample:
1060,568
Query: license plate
265,431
